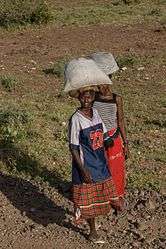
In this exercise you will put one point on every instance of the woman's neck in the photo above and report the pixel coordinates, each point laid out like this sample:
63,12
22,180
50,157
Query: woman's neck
87,111
108,96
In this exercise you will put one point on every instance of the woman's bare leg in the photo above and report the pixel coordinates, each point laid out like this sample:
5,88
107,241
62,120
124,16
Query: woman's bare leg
93,232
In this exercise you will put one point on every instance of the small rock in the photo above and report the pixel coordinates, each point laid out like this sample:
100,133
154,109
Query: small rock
63,123
124,68
140,68
136,244
34,62
143,226
151,205
24,213
163,191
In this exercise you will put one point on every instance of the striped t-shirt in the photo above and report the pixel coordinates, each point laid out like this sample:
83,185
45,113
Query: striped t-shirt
108,112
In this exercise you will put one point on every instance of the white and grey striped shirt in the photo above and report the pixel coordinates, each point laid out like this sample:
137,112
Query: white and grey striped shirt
107,112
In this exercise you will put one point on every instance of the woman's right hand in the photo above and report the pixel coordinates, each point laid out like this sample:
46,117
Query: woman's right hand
83,170
87,176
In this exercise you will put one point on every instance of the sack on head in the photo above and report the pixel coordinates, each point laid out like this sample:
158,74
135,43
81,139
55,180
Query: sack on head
83,72
105,61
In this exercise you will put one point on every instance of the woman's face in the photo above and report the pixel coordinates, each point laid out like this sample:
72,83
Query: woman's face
86,98
104,90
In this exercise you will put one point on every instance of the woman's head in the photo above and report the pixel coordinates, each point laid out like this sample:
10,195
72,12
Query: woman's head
86,98
76,93
104,89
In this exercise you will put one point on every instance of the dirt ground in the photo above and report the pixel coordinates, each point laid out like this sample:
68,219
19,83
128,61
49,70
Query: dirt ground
35,215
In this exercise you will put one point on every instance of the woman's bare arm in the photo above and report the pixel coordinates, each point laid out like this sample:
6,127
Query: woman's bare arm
121,123
83,171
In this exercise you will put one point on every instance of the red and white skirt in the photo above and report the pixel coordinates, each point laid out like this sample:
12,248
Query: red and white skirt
116,163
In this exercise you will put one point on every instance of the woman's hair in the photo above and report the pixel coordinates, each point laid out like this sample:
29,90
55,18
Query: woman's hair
106,86
76,93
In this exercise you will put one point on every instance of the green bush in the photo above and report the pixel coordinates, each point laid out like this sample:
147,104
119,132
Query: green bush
8,82
130,1
57,68
23,11
12,124
118,2
127,60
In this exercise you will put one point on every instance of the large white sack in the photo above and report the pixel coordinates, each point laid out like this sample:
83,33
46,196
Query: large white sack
83,72
105,61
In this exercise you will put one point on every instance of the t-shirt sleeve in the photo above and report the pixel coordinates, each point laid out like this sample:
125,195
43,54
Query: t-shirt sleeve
73,133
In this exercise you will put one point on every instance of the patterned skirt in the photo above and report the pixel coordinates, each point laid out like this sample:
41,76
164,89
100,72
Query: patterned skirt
91,200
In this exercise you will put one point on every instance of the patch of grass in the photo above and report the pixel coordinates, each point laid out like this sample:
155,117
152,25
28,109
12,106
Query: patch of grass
127,60
15,116
57,68
156,122
162,20
21,12
8,82
43,145
42,153
155,12
114,12
144,180
128,2
157,154
12,125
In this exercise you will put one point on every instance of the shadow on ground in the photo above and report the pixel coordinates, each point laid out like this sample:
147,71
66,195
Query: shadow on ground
16,159
30,201
34,204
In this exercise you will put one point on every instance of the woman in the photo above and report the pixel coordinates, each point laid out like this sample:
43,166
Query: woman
92,184
110,107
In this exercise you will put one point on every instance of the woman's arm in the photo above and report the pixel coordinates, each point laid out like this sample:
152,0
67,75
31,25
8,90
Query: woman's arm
74,145
83,171
121,124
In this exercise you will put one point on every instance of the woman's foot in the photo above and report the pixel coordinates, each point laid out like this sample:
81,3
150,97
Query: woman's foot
120,210
95,238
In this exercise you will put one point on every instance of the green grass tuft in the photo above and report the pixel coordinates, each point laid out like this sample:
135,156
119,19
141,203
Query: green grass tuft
146,179
8,82
12,125
21,12
127,60
57,69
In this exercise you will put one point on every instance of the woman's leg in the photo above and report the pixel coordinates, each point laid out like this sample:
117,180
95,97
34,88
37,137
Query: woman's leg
93,232
93,236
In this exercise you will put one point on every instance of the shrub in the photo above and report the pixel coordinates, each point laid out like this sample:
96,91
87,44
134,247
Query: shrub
8,82
12,124
155,12
118,2
130,1
126,60
23,11
57,68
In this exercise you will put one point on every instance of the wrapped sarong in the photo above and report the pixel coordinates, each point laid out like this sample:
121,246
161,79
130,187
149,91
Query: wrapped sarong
91,200
116,162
